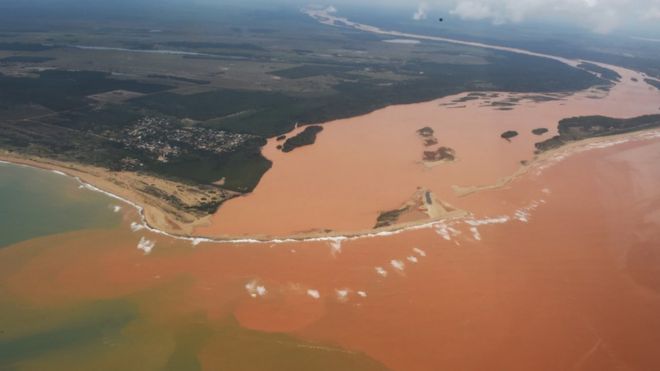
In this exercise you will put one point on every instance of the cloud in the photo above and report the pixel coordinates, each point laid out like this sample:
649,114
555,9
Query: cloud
422,11
472,10
601,16
652,15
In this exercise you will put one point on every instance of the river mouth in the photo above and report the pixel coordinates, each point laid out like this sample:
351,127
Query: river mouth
552,267
362,167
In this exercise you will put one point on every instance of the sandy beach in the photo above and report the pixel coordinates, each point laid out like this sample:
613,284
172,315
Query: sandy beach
129,187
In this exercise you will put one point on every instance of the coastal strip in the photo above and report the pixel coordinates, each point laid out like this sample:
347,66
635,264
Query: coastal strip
540,163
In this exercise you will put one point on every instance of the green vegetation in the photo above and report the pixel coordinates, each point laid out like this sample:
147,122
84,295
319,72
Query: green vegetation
241,169
425,132
248,84
539,131
64,90
24,47
217,104
178,78
509,134
441,154
25,59
604,73
310,70
304,138
652,82
578,128
388,218
213,45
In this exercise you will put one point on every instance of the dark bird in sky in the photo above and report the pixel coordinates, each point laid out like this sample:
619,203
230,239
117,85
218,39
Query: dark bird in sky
440,19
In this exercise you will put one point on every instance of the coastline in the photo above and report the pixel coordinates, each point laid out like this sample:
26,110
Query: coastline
548,158
179,219
160,219
124,186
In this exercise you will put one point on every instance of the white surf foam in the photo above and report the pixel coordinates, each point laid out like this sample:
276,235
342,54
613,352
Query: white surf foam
475,233
335,246
419,251
381,271
342,294
136,226
397,264
496,220
255,290
146,245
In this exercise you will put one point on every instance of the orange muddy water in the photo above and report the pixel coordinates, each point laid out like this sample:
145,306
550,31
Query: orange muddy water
557,270
365,165
560,272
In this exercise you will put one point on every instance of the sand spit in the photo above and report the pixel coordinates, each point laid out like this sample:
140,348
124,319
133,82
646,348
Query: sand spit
441,225
335,239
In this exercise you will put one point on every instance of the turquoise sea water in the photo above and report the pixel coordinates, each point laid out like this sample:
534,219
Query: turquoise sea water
36,203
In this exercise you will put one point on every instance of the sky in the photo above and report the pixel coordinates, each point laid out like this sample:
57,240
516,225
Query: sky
600,16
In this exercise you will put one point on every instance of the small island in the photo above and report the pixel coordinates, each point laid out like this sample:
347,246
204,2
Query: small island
584,127
304,138
441,154
605,73
427,135
652,82
509,134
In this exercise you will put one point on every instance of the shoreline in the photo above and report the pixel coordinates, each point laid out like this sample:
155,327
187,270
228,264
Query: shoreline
548,158
146,211
180,221
121,186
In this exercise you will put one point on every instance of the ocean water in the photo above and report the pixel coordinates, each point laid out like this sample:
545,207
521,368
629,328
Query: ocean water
99,303
36,203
